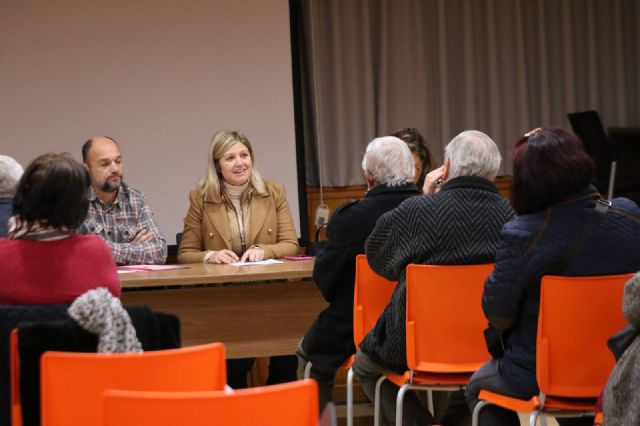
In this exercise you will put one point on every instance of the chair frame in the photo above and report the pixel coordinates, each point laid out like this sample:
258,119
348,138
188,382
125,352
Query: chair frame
557,399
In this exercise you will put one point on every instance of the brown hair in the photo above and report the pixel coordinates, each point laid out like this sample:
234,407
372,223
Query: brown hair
53,191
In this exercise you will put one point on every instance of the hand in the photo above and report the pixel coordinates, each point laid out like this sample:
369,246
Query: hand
433,181
142,237
253,254
223,256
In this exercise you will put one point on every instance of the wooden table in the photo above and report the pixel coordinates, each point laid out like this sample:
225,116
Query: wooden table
255,310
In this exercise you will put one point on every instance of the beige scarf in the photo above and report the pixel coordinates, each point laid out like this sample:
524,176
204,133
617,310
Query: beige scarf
238,214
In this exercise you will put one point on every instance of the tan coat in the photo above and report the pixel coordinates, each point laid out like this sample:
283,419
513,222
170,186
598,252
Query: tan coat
206,226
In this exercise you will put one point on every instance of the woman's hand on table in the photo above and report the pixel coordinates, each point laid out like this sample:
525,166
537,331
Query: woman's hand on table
253,254
222,256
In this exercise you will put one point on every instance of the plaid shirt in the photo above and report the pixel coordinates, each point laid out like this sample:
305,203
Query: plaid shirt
118,224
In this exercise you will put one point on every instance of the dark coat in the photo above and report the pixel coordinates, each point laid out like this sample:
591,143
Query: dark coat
456,226
530,245
329,341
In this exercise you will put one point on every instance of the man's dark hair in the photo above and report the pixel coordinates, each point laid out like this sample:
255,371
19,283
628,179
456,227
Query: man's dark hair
54,191
548,165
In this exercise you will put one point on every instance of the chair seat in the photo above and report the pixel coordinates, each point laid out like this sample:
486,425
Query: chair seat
430,379
510,403
551,403
450,367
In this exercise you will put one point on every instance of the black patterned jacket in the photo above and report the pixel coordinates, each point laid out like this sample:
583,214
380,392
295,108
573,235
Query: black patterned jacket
456,226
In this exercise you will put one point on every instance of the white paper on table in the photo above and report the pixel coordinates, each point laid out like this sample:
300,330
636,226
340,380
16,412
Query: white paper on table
262,262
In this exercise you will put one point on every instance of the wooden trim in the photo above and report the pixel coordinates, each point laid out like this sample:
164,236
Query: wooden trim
335,196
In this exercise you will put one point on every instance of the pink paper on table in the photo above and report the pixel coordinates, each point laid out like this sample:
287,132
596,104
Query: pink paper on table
151,267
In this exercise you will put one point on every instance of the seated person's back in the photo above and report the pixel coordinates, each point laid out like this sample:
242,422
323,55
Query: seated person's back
44,261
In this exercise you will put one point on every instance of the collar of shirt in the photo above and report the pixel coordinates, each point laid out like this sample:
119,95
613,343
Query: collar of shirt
121,197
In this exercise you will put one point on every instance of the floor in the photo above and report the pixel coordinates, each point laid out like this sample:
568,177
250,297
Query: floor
363,416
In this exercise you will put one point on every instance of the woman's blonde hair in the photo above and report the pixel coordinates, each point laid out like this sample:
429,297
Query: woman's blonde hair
210,185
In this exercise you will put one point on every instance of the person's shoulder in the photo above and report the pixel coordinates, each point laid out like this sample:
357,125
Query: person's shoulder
131,196
129,192
274,189
273,186
503,204
195,195
522,227
349,206
85,240
626,206
92,245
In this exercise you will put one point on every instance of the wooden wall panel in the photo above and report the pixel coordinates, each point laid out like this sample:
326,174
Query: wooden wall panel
335,196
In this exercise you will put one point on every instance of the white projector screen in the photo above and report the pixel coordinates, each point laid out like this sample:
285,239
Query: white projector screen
160,77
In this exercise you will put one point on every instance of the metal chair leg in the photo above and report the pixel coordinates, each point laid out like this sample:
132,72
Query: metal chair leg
533,419
399,402
476,412
430,402
307,370
376,402
350,397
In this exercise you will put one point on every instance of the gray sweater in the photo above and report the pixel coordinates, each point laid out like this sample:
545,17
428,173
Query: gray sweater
621,403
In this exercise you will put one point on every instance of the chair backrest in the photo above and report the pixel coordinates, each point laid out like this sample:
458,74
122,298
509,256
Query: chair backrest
577,315
445,321
371,295
72,383
11,316
288,404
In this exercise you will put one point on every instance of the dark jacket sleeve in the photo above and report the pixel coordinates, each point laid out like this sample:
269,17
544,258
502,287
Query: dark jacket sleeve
506,287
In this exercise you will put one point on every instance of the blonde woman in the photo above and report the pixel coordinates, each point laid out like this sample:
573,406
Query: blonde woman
235,215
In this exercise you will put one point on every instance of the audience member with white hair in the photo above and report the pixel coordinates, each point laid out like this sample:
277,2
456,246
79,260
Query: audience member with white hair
465,210
388,167
10,173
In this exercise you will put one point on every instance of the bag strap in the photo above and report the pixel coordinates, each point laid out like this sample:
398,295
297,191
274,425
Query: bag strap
577,244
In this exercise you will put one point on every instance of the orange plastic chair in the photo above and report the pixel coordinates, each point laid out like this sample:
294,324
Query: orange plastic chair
288,404
599,420
72,383
14,368
371,295
445,323
577,315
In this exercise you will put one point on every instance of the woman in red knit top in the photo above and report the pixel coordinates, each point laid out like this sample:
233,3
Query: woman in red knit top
44,261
